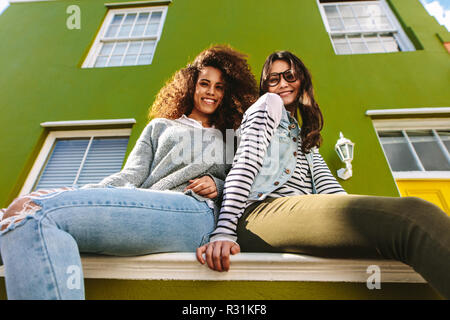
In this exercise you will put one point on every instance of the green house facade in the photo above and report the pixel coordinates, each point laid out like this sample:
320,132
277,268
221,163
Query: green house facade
77,79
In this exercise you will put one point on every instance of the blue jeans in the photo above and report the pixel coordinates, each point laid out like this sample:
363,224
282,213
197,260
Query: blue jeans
41,254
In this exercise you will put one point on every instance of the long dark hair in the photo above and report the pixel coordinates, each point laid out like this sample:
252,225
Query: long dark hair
177,96
312,118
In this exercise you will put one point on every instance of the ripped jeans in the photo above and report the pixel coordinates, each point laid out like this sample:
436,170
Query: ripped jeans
41,247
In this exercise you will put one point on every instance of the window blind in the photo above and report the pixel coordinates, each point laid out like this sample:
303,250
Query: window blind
76,162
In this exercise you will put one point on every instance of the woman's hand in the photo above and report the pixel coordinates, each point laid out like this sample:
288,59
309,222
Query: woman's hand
218,254
203,186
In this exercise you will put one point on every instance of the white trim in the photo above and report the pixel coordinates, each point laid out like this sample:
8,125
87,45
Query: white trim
421,175
244,267
15,1
138,3
407,111
54,124
411,124
96,46
48,145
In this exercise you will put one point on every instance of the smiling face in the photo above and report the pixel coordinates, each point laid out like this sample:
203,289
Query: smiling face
288,91
209,92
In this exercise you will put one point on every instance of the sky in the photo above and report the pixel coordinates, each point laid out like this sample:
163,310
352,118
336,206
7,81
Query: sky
440,9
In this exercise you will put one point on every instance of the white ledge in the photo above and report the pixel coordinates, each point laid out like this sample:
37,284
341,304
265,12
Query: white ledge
138,3
408,111
412,175
77,123
244,267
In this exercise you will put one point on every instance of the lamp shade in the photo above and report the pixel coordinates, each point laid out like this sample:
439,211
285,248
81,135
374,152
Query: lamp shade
344,148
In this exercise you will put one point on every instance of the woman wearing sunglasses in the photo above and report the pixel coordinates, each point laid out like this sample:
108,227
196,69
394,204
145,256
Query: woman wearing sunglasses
280,195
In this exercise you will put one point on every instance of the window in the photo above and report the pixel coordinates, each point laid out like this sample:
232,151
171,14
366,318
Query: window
417,150
128,37
416,147
77,157
357,27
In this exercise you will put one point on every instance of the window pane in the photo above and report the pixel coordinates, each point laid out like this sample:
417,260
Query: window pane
105,157
341,45
143,17
361,10
357,44
101,61
152,29
346,11
373,43
112,31
124,31
331,12
397,151
335,24
115,61
130,60
120,48
389,43
156,16
117,19
144,59
351,24
382,23
148,47
63,164
428,150
374,10
134,47
367,24
138,30
130,18
106,49
445,137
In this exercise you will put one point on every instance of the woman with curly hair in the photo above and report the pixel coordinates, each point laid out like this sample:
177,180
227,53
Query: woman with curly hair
164,199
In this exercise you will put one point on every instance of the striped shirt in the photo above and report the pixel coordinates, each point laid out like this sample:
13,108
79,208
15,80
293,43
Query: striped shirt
257,128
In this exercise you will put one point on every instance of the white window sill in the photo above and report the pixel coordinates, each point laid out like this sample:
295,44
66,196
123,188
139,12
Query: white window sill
244,267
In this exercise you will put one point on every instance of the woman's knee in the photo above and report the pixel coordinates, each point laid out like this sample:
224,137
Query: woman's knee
22,207
19,206
417,211
419,205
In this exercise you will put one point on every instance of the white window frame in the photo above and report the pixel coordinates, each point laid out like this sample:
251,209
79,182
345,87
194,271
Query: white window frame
49,142
399,35
432,124
89,62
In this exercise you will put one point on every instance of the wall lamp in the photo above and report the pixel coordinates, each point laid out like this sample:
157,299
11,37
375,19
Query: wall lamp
344,148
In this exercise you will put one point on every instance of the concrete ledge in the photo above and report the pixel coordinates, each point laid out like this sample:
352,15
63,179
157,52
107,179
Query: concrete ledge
244,267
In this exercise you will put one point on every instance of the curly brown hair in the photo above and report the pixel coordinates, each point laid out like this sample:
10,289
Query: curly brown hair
177,96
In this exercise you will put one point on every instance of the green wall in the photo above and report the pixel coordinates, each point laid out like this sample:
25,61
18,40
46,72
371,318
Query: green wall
41,78
102,289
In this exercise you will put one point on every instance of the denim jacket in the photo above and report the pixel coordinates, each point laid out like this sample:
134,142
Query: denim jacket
280,159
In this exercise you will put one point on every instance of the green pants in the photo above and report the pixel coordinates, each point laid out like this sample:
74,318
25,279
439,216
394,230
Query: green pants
408,229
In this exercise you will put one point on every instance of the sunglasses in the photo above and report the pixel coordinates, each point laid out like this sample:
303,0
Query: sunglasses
275,77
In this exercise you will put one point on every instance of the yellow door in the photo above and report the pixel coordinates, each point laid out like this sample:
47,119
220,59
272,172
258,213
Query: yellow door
436,191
